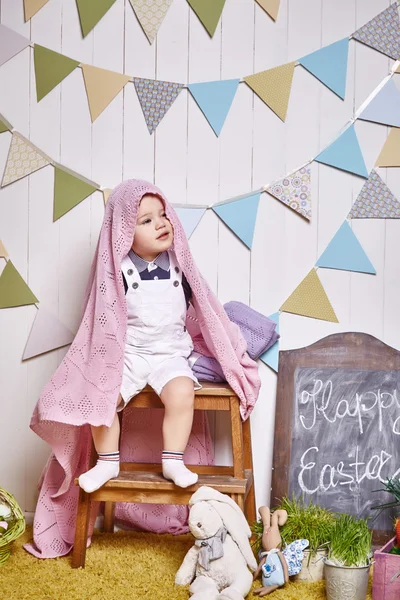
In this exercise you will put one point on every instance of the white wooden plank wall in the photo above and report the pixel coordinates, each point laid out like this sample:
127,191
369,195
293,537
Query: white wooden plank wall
191,165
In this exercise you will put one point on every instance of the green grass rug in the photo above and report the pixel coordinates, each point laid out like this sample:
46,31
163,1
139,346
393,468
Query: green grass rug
119,566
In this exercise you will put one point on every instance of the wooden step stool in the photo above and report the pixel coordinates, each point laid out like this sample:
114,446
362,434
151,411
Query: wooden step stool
144,483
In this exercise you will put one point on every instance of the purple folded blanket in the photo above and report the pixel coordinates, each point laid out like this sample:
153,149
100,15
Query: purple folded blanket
258,330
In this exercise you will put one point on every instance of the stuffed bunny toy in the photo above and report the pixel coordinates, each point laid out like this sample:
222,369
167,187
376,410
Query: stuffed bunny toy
218,564
276,566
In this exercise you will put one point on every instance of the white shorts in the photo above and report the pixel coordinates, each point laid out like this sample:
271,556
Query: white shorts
155,370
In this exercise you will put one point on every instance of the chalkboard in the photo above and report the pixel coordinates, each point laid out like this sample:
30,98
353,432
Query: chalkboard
337,425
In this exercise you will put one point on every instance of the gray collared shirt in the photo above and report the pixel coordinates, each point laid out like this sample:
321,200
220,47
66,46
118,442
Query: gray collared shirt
162,271
162,261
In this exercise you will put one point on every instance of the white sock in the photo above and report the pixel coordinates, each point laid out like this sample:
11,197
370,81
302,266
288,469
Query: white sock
106,468
174,469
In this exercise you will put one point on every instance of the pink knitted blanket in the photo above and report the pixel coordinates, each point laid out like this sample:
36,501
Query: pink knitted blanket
84,389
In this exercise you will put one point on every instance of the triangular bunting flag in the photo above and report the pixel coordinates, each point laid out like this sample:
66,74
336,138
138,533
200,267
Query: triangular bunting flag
47,334
294,190
382,32
309,299
69,191
273,87
23,159
271,7
91,12
385,107
209,12
13,289
375,201
10,43
101,87
390,153
345,252
329,65
3,127
3,251
190,217
345,154
156,98
106,195
31,7
150,15
240,216
214,99
50,69
271,356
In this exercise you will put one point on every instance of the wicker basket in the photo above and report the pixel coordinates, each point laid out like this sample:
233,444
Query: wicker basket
16,525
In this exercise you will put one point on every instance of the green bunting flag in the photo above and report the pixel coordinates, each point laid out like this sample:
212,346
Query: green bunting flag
209,12
90,13
50,69
69,191
3,127
13,289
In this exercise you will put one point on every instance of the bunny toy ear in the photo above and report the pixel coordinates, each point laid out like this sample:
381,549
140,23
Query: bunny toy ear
232,517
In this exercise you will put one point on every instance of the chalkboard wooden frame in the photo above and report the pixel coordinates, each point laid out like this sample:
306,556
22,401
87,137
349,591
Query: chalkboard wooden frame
350,350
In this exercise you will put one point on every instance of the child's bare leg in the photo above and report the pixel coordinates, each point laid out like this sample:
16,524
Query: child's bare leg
178,398
106,442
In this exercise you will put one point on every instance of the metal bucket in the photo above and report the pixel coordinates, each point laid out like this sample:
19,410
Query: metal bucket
346,583
312,567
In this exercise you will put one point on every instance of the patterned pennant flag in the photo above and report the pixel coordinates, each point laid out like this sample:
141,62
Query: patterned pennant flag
13,289
69,191
31,7
240,216
101,87
50,69
390,153
150,14
271,356
209,12
273,87
11,43
23,159
3,251
271,7
156,98
375,201
385,107
47,334
345,253
345,154
91,12
106,195
329,65
215,99
190,217
309,299
295,191
382,32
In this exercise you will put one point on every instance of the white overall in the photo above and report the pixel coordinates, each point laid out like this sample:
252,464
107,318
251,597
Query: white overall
157,343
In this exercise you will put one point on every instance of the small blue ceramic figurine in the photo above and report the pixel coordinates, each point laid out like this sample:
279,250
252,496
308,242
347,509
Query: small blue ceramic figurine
275,565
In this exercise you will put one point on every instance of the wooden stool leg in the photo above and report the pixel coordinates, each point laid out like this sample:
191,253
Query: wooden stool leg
81,530
240,501
237,440
250,503
109,512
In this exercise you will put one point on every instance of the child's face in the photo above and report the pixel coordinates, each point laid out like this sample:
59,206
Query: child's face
153,233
